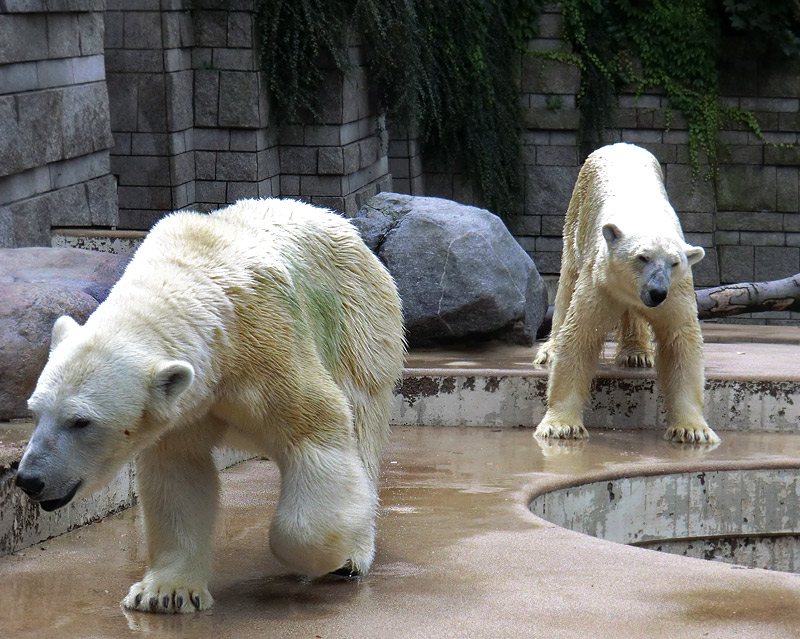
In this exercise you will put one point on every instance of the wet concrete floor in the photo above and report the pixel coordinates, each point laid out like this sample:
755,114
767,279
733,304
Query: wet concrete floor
459,555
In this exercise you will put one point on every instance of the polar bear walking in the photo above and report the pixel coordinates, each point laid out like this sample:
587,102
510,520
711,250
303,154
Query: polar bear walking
267,326
624,263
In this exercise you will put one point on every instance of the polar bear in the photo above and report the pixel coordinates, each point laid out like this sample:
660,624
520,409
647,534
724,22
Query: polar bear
624,263
267,326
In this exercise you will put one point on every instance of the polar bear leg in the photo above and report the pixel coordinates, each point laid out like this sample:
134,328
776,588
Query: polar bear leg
578,345
326,511
679,362
178,489
634,342
566,288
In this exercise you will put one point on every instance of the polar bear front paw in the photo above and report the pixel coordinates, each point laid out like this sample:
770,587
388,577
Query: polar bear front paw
544,355
167,597
560,431
691,434
641,359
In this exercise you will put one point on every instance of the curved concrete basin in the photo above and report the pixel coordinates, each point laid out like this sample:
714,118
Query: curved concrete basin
749,517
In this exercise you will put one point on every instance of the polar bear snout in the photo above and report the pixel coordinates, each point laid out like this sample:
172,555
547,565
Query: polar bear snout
31,485
656,285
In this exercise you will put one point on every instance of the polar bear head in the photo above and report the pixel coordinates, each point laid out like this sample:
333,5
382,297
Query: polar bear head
99,400
643,266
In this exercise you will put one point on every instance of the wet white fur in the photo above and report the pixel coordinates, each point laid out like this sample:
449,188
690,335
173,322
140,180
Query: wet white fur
621,187
267,326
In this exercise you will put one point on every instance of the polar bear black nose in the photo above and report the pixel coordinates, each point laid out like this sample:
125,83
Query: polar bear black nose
29,484
657,295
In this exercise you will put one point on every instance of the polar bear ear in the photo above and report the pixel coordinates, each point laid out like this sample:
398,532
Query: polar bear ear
170,379
63,327
694,254
611,233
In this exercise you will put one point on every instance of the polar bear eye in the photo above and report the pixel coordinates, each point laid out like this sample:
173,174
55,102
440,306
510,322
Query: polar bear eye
675,264
80,423
643,259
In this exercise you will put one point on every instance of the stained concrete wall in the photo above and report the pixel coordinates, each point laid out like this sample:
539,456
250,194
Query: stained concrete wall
55,131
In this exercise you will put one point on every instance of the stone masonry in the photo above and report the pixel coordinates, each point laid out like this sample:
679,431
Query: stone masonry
190,117
54,120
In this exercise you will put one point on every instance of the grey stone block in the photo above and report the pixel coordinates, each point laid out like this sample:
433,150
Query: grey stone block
289,185
706,272
101,196
736,264
238,99
145,197
237,166
31,222
331,160
150,144
299,160
686,193
88,69
548,189
549,76
145,170
205,163
62,35
241,190
211,29
206,98
746,188
697,222
234,59
760,238
123,92
134,61
726,237
179,87
557,156
23,37
18,77
6,228
212,139
90,29
321,185
240,29
85,123
246,140
774,262
80,169
788,196
69,206
782,156
182,168
213,192
563,119
152,104
749,221
54,73
114,35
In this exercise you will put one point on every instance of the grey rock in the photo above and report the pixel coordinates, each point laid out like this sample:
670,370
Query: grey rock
37,285
460,273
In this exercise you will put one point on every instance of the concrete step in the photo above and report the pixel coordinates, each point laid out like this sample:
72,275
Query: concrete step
106,240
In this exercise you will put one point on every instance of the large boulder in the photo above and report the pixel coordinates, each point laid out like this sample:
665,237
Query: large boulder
37,285
461,275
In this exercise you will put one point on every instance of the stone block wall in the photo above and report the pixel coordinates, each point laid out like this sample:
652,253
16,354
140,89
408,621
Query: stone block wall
191,118
54,120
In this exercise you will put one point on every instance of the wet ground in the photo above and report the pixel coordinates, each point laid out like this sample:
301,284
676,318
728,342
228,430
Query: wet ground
459,555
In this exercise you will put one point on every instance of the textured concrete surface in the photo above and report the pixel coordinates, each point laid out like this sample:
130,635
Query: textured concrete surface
459,555
752,379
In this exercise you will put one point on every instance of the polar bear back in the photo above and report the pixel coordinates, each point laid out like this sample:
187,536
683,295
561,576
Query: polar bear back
620,184
262,267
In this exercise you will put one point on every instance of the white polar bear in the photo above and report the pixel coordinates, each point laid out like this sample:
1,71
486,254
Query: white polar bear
625,263
267,326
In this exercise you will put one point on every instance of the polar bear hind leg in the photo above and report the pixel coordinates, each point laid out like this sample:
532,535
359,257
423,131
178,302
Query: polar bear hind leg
634,342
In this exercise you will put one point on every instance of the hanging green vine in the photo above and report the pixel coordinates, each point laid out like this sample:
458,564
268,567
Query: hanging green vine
447,66
674,45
